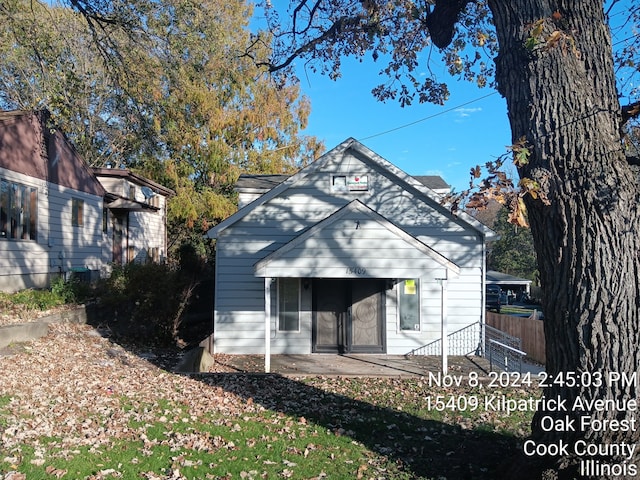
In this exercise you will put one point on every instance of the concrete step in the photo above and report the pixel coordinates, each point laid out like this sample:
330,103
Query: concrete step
24,332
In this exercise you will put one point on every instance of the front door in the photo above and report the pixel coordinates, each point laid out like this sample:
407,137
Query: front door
348,316
118,236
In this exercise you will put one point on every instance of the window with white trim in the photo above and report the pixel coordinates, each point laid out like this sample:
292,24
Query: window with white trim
18,211
409,304
288,304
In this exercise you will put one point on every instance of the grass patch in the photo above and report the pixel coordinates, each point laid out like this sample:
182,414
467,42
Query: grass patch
269,446
517,310
29,300
334,428
4,400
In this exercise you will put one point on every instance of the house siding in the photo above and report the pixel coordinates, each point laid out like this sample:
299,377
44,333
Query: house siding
149,233
239,297
58,247
35,154
146,230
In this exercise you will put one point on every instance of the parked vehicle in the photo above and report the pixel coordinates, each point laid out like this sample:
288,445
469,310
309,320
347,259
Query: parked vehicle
524,297
492,300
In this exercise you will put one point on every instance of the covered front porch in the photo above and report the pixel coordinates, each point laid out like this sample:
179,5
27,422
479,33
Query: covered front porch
353,283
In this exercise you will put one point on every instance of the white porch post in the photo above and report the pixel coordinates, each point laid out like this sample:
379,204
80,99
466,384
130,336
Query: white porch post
444,327
267,325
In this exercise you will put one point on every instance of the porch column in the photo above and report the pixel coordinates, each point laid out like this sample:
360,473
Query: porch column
444,328
267,324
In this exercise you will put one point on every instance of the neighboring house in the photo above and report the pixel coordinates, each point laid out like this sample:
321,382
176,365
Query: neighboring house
349,255
50,204
135,217
53,219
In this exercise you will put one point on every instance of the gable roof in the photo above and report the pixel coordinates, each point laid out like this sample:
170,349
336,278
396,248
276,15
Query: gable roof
31,146
434,182
259,183
352,144
133,178
323,232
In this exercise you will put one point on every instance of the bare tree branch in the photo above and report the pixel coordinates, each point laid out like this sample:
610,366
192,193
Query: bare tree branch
630,111
331,33
311,15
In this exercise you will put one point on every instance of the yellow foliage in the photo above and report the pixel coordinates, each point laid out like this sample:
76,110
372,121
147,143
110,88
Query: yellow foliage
518,212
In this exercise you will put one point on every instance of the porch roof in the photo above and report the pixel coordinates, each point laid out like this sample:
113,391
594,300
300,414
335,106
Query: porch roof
114,202
355,242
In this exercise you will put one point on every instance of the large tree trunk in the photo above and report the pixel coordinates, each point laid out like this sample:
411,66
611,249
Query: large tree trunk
562,99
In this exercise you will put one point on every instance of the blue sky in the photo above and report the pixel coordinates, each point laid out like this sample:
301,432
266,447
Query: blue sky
470,129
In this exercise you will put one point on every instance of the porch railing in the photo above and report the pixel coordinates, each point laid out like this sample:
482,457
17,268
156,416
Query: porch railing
465,341
502,350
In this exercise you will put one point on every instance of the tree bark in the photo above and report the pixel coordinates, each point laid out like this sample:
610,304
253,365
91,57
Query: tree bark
561,95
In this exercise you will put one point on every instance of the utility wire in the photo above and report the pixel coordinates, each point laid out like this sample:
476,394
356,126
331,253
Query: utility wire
430,116
415,122
462,104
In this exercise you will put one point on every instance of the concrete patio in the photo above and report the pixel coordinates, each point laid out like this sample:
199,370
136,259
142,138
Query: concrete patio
353,365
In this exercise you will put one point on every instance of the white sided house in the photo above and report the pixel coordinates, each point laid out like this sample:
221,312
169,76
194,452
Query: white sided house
58,219
349,255
50,204
135,217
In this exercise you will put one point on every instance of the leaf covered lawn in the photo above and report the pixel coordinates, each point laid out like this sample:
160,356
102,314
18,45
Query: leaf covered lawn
75,405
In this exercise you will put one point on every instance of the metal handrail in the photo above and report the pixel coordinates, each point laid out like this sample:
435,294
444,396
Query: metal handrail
482,340
460,341
506,357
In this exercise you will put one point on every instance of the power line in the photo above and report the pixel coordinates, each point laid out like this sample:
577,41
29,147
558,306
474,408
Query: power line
462,104
429,117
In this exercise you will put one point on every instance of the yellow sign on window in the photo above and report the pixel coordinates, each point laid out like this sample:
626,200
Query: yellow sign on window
409,287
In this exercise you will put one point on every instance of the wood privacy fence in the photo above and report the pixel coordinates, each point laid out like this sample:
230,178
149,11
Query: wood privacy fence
529,330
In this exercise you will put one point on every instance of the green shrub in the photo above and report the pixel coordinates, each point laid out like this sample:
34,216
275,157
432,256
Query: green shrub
64,290
36,299
144,302
61,292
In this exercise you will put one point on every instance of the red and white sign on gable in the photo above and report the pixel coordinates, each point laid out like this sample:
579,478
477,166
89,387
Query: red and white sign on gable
357,182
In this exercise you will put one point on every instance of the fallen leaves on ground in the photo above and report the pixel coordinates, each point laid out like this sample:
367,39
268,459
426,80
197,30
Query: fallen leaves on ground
79,387
79,390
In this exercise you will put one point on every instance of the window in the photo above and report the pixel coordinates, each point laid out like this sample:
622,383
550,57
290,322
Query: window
288,304
339,183
154,254
409,304
105,220
77,208
18,211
